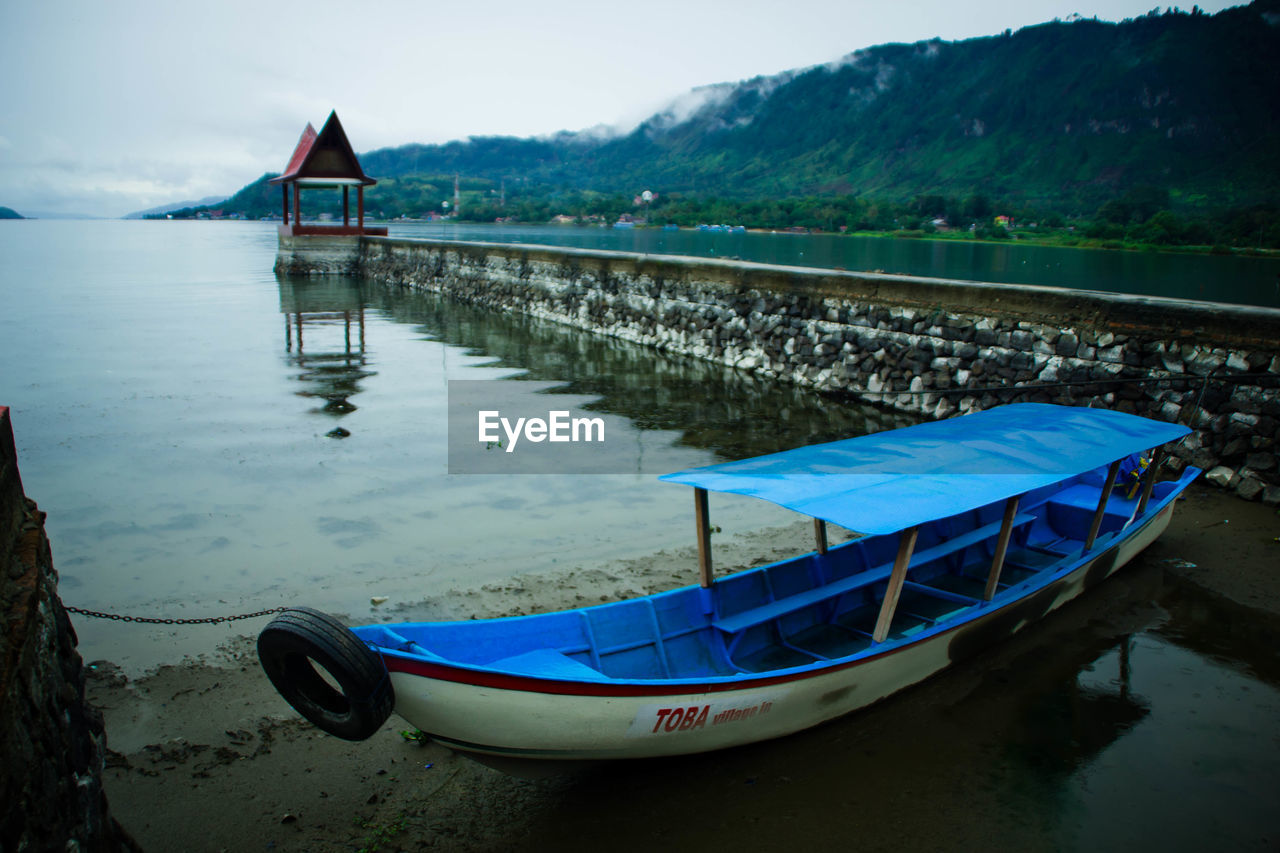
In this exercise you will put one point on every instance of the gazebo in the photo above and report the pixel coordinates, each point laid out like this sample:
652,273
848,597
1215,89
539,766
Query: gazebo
325,160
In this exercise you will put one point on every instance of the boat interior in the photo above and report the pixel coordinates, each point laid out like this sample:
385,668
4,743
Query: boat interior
802,611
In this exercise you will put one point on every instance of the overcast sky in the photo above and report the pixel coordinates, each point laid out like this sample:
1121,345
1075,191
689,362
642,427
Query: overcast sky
112,107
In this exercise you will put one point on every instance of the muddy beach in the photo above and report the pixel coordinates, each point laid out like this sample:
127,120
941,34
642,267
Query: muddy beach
1143,713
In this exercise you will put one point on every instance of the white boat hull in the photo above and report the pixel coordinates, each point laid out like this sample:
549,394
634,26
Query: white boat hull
579,720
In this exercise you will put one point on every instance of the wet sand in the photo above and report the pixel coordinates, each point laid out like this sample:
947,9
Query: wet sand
206,756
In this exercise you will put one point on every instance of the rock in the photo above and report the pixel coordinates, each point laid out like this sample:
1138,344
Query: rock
1261,461
1244,420
1111,355
1221,476
1249,488
1202,364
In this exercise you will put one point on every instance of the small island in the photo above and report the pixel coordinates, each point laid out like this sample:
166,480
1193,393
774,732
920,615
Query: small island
10,213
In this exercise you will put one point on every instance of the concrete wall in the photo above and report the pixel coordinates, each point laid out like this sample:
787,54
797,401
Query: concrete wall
51,741
930,346
317,254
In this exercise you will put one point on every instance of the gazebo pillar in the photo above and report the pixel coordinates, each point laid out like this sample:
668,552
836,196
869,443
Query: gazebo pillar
284,191
346,215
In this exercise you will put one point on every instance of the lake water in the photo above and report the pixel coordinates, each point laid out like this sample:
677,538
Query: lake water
172,402
1246,280
174,422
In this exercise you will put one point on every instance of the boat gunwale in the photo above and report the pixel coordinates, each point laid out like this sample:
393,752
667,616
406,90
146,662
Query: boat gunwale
480,675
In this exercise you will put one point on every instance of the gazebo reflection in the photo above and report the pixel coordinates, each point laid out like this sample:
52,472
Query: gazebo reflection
1087,713
324,336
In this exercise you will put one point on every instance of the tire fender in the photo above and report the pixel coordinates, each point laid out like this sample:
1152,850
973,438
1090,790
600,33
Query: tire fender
299,639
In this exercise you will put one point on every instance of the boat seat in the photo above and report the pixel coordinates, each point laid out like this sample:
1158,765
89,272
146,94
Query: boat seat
1071,511
735,622
546,663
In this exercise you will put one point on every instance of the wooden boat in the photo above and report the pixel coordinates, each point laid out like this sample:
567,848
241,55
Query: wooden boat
972,529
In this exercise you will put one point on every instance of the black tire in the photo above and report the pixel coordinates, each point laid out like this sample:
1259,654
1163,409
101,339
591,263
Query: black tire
298,639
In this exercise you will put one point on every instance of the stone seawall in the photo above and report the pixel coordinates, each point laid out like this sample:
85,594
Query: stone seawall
930,346
51,741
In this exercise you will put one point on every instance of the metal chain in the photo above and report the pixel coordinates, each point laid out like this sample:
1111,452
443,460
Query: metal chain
207,620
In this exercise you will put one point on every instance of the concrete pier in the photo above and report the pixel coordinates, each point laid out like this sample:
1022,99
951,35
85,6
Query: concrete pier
318,254
930,346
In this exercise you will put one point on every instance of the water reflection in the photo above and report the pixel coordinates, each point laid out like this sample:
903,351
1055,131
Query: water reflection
1077,719
315,311
1101,728
710,407
1220,630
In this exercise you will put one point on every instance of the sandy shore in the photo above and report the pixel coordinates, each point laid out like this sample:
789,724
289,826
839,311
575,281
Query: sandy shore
206,756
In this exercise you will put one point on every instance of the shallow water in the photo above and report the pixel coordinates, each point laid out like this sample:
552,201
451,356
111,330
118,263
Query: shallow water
172,403
174,425
1137,718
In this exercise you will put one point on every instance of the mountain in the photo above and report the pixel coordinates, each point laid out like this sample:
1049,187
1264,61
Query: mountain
1063,116
179,205
1068,114
10,213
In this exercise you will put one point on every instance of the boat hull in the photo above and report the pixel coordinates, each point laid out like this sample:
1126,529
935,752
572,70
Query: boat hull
534,718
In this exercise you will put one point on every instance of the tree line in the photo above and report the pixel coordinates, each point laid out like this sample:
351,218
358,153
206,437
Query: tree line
1141,216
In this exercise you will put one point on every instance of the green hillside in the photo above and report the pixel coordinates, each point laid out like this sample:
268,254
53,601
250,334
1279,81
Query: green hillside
1065,113
1055,120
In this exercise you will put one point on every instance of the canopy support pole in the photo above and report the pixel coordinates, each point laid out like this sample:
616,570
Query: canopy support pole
701,519
1156,461
1112,473
1002,546
284,192
906,544
820,534
346,206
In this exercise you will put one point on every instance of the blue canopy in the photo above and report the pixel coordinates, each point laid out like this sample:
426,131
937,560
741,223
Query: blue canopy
893,480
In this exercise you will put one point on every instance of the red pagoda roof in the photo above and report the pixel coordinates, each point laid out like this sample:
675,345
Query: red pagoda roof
322,155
